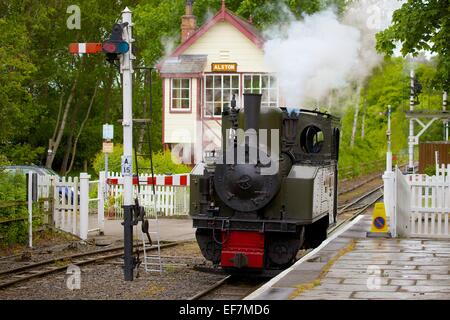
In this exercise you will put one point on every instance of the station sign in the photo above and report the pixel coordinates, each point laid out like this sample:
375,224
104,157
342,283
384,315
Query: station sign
126,165
108,147
108,132
224,67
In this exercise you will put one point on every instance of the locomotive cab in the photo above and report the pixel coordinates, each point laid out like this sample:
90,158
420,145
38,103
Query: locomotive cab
271,189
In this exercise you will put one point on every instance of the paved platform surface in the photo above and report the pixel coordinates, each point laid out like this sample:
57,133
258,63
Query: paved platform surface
170,229
352,266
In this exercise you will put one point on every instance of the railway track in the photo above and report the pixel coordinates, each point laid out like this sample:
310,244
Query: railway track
231,287
235,287
359,201
359,185
38,269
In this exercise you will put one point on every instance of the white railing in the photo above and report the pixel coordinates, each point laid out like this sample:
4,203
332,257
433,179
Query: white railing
71,203
170,200
65,204
422,205
96,206
79,204
442,170
430,205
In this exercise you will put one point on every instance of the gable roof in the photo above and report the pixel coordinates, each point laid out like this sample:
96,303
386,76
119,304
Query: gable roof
245,27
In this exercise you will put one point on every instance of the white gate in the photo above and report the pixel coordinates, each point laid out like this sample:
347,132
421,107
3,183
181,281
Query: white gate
65,204
77,207
422,205
171,199
430,205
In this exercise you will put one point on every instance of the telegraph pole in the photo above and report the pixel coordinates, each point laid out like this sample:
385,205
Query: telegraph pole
411,140
389,180
126,68
444,108
388,135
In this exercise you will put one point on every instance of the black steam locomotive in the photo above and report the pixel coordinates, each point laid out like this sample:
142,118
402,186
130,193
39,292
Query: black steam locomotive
271,189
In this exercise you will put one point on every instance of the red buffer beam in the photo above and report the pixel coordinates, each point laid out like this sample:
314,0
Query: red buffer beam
89,47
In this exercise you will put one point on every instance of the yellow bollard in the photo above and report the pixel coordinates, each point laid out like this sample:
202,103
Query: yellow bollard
379,227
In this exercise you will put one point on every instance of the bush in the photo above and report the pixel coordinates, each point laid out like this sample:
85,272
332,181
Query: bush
3,160
430,170
162,162
12,192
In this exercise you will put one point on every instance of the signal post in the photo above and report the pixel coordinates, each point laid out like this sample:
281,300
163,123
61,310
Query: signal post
126,68
118,47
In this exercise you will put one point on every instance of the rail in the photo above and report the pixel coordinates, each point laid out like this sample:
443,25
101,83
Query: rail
38,269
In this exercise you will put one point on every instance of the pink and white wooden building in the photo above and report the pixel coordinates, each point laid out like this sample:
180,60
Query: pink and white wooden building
223,57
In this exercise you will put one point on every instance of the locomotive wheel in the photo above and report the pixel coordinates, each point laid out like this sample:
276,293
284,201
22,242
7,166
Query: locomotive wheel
281,249
316,233
210,249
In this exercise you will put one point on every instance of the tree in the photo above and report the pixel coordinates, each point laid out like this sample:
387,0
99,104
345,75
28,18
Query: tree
16,72
421,25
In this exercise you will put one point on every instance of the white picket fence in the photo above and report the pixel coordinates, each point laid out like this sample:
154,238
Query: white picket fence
170,200
430,205
422,204
79,204
65,204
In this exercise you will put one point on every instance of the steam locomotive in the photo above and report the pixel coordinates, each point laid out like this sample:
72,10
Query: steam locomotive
251,217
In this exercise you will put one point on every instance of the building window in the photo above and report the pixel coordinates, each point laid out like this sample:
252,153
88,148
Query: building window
265,84
180,99
219,90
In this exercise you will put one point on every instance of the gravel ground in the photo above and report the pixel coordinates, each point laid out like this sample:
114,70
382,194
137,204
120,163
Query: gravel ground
47,250
105,281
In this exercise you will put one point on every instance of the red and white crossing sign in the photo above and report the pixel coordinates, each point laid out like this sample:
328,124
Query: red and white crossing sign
157,180
86,47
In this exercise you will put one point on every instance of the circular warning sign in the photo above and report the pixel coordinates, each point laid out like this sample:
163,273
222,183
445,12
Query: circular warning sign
379,222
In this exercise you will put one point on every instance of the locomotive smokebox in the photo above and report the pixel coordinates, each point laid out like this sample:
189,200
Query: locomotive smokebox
252,109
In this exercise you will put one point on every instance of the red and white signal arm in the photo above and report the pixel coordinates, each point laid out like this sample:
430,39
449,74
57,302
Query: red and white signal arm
87,47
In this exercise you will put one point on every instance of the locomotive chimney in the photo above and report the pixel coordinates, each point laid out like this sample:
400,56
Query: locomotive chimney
252,109
188,22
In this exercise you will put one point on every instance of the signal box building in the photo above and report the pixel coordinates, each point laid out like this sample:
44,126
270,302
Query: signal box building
223,57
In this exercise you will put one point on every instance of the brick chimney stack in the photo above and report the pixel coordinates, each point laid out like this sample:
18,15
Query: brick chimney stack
188,22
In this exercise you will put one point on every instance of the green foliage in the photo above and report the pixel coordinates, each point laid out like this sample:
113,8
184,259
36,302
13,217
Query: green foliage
12,206
3,160
269,12
389,85
421,25
430,170
162,162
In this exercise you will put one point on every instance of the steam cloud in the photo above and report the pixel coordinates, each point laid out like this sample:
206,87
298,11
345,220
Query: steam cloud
324,52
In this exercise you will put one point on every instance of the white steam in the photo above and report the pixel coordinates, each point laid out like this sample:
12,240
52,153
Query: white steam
324,52
169,43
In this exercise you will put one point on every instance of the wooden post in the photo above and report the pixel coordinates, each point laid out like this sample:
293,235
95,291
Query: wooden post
84,205
355,119
101,201
75,205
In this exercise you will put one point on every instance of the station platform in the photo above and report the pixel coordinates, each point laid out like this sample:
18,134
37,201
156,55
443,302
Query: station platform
350,266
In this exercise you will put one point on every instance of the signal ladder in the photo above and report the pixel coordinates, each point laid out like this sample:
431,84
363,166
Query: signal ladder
152,263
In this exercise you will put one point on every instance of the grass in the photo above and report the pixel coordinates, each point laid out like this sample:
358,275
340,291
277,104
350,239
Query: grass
152,290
